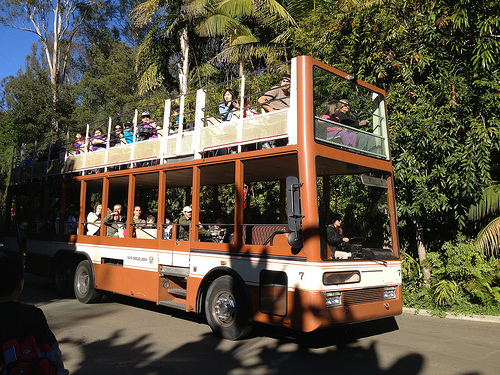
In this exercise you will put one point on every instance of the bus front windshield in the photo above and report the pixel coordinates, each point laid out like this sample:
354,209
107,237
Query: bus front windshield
353,214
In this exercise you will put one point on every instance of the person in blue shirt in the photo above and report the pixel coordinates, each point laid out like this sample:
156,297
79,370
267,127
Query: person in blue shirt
227,108
129,132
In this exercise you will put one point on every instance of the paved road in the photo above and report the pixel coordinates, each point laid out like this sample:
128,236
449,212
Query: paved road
126,336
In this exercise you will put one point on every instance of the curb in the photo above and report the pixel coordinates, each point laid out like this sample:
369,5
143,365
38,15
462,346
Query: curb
477,318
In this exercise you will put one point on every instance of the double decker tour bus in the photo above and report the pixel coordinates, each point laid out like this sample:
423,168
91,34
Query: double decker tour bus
262,188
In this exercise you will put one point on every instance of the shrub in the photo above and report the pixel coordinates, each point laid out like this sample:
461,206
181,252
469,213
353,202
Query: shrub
462,280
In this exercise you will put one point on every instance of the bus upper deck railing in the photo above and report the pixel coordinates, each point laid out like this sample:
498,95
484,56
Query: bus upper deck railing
190,127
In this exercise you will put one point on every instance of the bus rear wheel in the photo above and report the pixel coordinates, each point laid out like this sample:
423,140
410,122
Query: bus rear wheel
84,288
227,310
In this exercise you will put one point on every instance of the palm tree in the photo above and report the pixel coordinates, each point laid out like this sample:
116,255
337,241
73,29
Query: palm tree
229,19
207,18
489,236
171,20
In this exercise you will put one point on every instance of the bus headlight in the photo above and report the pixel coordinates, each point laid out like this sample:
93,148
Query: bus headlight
390,292
333,299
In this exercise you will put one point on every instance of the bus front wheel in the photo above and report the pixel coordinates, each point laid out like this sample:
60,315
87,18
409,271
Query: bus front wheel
85,291
226,309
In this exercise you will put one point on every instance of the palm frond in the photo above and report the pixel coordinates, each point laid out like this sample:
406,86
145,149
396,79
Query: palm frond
142,14
489,203
216,24
489,238
150,80
237,8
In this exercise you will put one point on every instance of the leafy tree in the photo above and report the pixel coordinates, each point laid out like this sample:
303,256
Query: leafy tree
108,85
443,104
28,99
56,23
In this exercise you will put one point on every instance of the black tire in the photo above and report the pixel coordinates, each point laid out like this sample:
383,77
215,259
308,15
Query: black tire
227,309
63,275
84,283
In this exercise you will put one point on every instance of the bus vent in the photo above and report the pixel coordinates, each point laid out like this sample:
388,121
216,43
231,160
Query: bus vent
357,297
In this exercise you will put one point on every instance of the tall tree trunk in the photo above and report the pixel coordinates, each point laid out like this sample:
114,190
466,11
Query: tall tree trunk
421,251
184,63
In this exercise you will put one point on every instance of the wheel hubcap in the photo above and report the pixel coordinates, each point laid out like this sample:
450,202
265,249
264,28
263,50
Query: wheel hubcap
225,308
83,282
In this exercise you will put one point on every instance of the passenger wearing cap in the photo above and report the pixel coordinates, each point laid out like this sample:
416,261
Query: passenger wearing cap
184,222
147,129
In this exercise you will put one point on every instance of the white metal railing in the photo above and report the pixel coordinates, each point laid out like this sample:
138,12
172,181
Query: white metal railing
199,129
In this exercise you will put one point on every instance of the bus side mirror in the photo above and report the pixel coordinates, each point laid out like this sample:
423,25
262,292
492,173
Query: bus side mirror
294,214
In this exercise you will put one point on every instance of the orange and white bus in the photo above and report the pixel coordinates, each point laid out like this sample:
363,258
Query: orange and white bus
263,189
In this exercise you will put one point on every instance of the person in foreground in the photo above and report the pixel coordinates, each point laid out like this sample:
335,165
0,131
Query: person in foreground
20,322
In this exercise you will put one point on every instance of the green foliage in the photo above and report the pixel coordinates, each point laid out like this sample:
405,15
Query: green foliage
463,281
108,85
442,95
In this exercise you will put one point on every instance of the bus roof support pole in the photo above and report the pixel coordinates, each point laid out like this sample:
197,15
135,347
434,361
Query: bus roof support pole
239,135
81,214
292,114
87,149
105,204
166,130
110,120
238,203
180,128
134,136
162,189
130,204
195,202
198,122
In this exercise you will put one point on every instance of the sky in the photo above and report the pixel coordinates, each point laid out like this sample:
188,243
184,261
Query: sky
15,45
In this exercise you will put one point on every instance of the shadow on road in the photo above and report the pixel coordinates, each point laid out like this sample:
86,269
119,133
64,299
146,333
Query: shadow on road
270,350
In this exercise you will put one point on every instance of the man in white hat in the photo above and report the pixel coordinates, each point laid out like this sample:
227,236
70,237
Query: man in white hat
185,221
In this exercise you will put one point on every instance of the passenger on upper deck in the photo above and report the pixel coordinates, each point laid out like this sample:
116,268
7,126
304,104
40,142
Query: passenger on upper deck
98,141
278,97
330,112
147,129
117,138
227,108
176,114
247,111
79,143
129,132
345,118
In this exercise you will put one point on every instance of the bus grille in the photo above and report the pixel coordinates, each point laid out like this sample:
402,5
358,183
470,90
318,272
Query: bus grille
357,297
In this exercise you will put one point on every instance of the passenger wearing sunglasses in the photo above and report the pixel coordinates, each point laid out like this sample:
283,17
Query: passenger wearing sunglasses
147,129
278,97
118,137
